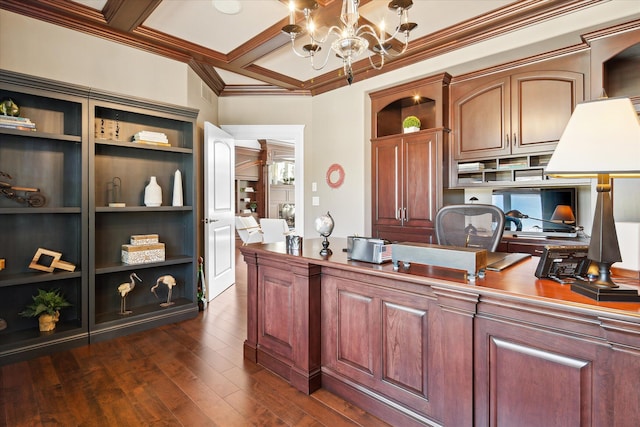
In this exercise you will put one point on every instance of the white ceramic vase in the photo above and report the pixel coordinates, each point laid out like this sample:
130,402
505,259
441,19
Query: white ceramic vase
177,189
153,193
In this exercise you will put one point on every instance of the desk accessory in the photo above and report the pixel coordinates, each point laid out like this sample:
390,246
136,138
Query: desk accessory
601,140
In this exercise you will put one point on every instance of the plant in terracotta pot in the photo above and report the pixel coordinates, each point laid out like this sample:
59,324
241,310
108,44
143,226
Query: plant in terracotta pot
411,124
46,306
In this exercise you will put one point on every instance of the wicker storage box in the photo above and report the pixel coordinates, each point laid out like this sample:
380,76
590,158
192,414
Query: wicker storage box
142,254
144,239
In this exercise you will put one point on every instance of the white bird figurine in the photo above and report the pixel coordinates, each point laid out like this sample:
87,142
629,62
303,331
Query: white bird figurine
168,280
124,290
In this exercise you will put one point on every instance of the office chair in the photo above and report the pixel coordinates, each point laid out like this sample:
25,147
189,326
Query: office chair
474,226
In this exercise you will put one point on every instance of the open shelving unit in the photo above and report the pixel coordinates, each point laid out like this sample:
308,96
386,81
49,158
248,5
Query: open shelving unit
508,171
71,167
111,227
53,159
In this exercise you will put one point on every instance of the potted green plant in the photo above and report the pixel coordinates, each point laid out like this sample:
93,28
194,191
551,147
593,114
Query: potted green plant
253,206
411,124
46,306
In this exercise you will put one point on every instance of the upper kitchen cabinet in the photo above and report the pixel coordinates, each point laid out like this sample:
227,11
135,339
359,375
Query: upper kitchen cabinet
615,61
518,112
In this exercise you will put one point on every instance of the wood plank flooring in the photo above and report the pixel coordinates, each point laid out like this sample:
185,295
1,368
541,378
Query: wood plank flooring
185,374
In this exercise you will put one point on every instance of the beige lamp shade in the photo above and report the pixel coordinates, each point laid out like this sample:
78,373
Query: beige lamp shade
602,137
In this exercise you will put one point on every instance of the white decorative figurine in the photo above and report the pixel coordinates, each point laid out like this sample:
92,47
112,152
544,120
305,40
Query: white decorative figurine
177,189
168,280
124,290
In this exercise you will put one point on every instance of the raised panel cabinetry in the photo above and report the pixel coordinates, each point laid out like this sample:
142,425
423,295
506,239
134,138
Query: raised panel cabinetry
510,352
505,126
52,160
406,193
522,113
407,168
134,163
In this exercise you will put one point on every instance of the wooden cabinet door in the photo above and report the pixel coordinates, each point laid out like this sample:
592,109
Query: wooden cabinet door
522,113
421,178
481,121
385,170
542,103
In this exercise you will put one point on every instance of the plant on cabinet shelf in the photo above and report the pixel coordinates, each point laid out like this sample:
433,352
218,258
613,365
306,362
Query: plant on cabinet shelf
46,306
411,124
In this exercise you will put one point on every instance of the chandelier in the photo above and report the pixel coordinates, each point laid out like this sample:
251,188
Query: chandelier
351,40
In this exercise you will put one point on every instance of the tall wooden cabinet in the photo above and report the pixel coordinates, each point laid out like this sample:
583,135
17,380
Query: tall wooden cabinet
407,169
75,170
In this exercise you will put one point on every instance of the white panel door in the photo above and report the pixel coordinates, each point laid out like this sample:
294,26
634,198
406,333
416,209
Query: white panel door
219,208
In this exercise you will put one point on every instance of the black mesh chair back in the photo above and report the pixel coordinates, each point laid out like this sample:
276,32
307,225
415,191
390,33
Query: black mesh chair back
472,226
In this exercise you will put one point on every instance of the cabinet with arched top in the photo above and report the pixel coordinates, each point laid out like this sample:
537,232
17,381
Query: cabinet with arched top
407,169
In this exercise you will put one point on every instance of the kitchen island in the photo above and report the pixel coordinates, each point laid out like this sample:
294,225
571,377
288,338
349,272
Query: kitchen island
422,346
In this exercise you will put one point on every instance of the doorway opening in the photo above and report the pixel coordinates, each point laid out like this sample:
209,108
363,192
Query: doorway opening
283,134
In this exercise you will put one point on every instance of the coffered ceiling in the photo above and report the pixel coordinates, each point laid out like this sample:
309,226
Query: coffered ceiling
246,52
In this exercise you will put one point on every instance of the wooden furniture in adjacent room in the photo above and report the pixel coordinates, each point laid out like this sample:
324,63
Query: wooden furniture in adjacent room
250,187
407,169
424,347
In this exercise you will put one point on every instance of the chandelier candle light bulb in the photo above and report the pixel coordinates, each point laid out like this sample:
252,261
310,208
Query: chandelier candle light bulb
350,40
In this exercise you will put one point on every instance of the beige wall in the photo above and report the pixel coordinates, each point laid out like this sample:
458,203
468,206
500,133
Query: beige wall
337,124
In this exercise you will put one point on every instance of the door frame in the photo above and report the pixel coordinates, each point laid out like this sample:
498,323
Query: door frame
286,133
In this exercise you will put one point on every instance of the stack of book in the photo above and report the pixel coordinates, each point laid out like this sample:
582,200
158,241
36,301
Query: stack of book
470,167
20,123
153,138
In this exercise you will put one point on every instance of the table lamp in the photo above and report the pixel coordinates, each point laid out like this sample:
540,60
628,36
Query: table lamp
601,140
563,214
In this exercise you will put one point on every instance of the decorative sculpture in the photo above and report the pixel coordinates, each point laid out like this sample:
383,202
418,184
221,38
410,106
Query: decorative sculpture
324,226
32,196
55,261
124,290
168,280
114,191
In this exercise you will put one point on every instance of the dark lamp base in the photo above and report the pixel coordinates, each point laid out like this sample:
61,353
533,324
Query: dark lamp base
599,293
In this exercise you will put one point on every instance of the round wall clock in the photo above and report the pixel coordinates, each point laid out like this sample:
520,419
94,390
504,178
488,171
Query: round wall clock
335,176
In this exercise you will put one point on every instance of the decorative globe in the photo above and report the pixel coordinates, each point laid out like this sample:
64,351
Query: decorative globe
324,225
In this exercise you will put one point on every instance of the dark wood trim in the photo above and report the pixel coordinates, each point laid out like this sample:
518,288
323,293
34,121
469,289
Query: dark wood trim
127,15
123,29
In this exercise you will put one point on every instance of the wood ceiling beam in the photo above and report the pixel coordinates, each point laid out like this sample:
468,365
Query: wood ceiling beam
81,18
126,15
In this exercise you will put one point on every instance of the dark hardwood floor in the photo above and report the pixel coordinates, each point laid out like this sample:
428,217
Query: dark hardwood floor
185,374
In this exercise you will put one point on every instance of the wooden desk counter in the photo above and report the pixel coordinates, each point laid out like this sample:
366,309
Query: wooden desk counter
423,347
